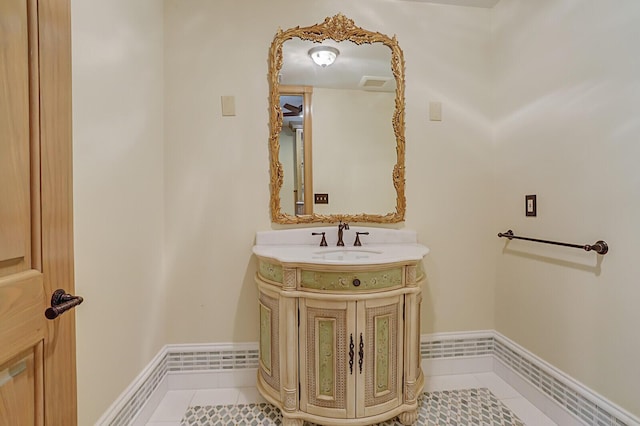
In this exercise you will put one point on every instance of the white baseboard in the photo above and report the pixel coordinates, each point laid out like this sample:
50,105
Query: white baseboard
463,365
542,402
177,366
550,388
130,402
154,400
563,399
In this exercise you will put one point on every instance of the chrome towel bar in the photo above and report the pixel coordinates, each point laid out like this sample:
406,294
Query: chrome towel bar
599,246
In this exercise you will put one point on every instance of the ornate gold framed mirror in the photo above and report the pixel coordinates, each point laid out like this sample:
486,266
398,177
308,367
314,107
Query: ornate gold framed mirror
358,157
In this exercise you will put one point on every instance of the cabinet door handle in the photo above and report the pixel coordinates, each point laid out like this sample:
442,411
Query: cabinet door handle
361,354
351,353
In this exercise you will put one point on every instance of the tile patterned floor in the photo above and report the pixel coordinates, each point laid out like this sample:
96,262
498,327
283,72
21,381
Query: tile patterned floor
449,407
171,410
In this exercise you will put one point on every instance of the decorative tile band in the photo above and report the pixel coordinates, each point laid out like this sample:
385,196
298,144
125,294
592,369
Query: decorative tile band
138,393
592,411
573,397
179,359
212,360
456,347
578,400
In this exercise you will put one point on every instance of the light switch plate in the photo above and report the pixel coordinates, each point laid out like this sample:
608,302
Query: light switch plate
228,106
530,205
435,111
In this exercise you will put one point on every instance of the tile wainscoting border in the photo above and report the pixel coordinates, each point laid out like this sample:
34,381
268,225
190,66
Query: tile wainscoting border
562,398
172,368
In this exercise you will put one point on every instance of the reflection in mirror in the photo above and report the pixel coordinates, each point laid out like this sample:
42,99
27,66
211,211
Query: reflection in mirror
358,125
292,199
354,149
295,150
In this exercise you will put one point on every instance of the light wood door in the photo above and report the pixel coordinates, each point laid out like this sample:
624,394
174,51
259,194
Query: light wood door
37,356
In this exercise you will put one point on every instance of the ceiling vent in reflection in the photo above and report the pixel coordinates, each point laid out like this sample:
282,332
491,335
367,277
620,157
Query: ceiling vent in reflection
369,82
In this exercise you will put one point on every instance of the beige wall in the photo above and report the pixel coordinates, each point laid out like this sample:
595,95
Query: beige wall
567,78
118,192
216,168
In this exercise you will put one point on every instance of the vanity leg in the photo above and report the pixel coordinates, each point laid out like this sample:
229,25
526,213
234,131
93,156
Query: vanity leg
408,417
291,422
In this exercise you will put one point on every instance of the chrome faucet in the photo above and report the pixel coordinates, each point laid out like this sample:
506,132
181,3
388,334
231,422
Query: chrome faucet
341,227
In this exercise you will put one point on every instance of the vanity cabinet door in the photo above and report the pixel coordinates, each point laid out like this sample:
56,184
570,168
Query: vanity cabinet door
351,356
380,349
328,368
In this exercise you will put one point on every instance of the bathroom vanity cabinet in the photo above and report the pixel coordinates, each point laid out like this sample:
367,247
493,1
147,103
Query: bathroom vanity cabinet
340,342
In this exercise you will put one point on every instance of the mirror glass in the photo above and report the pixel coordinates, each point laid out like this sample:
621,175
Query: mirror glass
337,131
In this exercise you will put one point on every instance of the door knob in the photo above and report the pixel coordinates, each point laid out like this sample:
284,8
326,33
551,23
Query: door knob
61,302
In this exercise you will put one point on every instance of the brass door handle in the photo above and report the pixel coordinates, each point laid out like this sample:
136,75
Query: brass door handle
61,302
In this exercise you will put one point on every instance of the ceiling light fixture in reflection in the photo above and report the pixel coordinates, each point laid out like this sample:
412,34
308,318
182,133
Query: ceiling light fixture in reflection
324,55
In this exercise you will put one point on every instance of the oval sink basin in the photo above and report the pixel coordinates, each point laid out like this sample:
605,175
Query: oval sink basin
345,254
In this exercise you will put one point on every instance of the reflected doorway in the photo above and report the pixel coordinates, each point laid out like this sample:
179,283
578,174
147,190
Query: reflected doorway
295,150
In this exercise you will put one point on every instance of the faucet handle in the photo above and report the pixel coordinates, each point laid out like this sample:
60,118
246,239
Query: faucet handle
323,243
357,243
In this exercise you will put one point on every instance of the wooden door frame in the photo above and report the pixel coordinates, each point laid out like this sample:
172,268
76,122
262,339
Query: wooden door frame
56,186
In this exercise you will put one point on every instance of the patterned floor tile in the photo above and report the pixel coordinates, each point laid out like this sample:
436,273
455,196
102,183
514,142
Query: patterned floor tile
443,408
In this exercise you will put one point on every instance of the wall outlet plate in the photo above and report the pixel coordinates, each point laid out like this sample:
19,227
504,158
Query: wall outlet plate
321,198
530,205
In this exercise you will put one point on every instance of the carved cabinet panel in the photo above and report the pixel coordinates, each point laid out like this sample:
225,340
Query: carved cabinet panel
327,380
380,342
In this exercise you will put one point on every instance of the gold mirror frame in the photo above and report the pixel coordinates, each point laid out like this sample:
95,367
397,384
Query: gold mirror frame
338,28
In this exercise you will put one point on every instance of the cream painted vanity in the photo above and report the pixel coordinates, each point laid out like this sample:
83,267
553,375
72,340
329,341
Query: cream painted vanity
340,326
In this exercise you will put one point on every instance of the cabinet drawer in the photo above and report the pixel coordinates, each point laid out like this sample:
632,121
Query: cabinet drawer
351,280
